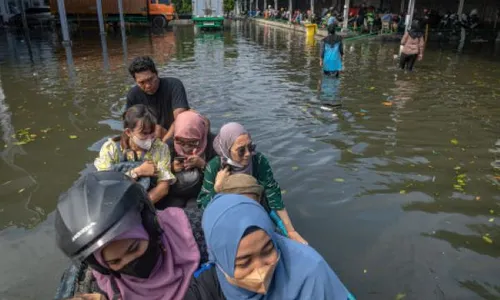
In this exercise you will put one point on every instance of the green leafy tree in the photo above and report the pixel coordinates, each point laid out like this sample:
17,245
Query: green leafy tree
228,5
183,6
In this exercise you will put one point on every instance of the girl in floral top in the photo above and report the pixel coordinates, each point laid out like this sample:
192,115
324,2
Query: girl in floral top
138,144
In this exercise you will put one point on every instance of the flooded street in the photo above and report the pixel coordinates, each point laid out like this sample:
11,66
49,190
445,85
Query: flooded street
396,188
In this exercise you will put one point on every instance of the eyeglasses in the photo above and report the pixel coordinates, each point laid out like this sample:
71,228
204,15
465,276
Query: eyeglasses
183,143
243,149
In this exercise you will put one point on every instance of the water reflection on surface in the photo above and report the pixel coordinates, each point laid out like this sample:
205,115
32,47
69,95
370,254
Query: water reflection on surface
389,175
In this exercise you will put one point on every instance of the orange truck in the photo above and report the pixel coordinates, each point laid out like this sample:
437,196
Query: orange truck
157,12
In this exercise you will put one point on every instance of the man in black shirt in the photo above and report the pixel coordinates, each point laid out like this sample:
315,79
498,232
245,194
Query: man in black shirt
166,96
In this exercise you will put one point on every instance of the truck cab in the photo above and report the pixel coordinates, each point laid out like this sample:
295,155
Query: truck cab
161,12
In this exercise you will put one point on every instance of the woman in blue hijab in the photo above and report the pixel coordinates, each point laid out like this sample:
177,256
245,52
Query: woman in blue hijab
250,261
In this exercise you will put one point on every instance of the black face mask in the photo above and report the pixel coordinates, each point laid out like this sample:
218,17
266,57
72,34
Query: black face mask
143,265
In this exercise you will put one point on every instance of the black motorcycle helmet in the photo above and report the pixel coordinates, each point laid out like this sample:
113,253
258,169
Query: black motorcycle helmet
96,209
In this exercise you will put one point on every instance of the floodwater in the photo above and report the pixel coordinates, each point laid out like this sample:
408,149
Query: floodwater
396,187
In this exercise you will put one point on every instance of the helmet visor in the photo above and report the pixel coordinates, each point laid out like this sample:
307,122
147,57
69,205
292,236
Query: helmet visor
128,222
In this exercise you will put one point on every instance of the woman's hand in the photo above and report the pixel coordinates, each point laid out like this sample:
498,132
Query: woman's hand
147,169
194,161
177,166
294,235
420,57
221,177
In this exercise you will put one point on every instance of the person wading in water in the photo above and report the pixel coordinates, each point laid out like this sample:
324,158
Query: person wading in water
331,53
412,47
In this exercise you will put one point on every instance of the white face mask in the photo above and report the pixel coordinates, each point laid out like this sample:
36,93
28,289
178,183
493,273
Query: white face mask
143,144
233,163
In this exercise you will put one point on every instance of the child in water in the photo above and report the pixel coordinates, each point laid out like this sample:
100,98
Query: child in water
412,47
331,53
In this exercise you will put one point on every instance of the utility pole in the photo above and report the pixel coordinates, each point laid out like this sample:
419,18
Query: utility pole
409,16
346,15
100,17
64,23
122,19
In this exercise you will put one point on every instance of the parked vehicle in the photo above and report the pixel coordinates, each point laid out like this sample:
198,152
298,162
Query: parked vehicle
35,16
208,14
158,12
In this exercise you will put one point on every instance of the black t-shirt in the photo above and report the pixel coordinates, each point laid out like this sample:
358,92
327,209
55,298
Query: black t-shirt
169,96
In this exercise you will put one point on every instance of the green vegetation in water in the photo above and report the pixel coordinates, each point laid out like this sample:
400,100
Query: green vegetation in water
24,136
460,181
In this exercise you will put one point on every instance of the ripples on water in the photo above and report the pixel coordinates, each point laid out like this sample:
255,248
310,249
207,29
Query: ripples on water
374,188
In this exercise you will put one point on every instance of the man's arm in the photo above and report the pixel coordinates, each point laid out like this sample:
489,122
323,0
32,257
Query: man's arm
170,131
159,191
179,104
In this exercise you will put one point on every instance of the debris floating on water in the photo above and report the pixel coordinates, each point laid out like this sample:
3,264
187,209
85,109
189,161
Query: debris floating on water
487,239
400,296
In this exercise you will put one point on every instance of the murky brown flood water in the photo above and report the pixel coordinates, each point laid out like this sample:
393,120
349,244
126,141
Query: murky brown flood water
400,197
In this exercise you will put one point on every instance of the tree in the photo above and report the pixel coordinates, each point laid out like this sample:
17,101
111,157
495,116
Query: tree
228,5
183,6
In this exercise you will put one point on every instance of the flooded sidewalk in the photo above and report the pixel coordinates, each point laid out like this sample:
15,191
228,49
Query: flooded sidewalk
396,187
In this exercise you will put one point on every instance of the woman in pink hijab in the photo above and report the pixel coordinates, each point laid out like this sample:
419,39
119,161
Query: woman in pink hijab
191,148
134,252
163,270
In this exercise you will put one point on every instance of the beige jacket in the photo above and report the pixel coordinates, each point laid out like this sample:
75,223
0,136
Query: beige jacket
412,45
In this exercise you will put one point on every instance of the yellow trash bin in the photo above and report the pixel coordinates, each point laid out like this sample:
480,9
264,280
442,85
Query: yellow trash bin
311,29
